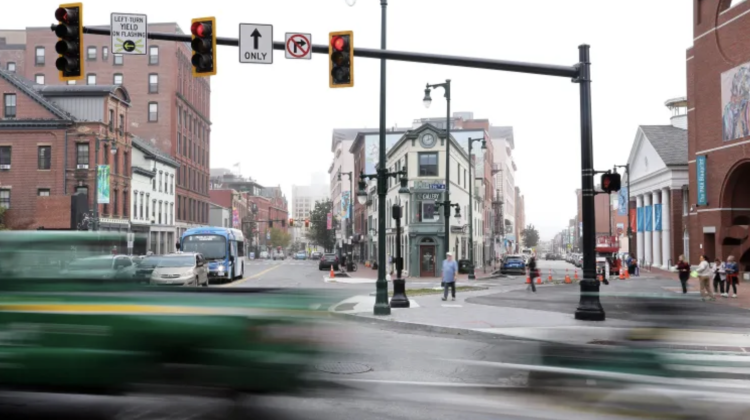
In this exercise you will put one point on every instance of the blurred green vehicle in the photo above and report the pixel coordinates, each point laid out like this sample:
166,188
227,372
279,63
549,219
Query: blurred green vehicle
99,336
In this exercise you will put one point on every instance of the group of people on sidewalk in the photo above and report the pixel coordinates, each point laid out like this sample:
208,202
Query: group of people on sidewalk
725,275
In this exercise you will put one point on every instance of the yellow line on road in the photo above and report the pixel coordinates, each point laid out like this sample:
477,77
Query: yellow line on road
254,276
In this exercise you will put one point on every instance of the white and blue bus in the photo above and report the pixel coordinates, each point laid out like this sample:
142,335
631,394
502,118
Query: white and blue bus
223,249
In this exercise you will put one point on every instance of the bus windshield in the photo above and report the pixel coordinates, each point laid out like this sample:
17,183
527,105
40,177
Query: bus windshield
213,247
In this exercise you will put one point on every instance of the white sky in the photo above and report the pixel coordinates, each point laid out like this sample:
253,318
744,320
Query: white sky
277,119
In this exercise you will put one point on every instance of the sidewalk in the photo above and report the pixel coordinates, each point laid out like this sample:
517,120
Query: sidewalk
466,317
369,273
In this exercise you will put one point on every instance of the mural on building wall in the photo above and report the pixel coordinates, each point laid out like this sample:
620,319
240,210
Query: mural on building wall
735,100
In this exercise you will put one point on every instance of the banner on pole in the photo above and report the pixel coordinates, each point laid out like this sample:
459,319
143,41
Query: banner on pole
102,184
329,221
622,201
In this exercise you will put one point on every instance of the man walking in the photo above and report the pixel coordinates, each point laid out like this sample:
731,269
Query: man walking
532,272
450,269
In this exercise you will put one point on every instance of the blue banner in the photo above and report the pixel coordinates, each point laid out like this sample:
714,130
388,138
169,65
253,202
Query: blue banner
639,217
622,201
700,169
657,217
648,218
102,184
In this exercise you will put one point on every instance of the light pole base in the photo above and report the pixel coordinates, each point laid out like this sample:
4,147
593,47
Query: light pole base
399,299
472,276
381,309
589,306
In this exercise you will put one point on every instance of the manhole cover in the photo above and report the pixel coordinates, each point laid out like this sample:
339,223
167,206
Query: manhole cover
343,368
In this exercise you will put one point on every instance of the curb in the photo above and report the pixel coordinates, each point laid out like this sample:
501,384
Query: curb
411,326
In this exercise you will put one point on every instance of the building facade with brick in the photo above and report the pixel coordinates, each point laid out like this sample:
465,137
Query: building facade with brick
718,95
170,107
51,140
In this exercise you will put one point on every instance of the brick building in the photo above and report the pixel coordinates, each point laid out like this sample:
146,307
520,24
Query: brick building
170,107
49,138
718,95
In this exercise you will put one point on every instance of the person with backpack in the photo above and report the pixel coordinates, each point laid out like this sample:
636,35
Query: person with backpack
733,275
683,270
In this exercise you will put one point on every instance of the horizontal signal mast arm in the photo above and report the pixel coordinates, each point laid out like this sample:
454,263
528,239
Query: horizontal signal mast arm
447,60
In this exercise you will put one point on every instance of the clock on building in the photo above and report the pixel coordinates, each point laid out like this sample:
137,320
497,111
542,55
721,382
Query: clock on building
427,140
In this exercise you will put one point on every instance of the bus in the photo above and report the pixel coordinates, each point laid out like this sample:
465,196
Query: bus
223,248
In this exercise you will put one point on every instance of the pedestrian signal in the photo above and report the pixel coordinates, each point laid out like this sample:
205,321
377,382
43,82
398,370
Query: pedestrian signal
307,222
610,182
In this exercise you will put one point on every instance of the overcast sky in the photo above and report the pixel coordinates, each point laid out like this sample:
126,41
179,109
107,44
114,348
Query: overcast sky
277,119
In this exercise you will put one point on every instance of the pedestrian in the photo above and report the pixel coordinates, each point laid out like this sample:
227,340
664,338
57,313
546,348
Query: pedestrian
733,277
532,272
683,270
704,277
720,277
450,270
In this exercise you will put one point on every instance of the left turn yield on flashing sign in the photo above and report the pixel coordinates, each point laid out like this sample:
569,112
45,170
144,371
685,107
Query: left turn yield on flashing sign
298,46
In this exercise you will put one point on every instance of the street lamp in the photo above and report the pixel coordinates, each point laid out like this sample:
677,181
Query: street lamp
350,228
381,285
427,101
472,276
399,299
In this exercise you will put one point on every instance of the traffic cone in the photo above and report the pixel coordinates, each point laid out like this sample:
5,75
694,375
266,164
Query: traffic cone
567,277
539,280
549,278
627,274
622,274
575,275
528,278
333,275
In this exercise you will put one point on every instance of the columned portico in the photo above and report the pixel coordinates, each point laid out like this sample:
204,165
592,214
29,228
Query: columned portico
656,244
639,234
648,238
666,232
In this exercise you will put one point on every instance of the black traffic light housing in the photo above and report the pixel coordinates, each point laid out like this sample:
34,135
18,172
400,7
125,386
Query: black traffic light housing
610,182
341,59
69,31
203,31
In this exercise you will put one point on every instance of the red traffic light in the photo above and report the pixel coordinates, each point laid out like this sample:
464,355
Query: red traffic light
605,182
66,15
201,29
338,43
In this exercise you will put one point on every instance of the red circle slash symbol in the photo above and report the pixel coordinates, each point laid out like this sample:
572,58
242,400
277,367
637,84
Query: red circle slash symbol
298,46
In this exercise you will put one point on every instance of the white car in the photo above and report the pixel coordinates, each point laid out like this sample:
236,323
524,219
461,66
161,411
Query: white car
183,269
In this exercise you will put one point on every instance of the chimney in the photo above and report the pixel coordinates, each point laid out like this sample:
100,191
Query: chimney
678,106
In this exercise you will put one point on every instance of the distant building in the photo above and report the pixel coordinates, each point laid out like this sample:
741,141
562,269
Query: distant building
304,198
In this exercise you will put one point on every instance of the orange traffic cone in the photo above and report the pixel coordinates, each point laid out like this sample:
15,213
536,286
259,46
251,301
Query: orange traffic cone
539,280
627,274
567,277
549,278
575,274
333,275
528,278
622,274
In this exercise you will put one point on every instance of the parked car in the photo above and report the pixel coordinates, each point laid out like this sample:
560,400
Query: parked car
513,264
301,255
183,269
109,267
316,255
328,260
278,255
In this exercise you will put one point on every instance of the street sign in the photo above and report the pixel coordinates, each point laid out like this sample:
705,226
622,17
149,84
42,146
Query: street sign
298,46
129,33
256,43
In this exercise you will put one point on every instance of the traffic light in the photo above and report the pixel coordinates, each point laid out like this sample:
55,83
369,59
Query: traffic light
291,222
341,59
307,223
610,182
69,31
204,46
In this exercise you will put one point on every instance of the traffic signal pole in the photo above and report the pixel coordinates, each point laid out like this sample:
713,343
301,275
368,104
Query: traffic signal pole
589,307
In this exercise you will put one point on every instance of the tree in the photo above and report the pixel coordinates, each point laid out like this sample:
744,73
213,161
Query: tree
318,232
2,218
530,236
280,238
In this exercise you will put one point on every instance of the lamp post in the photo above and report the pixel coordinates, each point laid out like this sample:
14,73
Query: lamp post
446,205
350,230
381,285
472,276
427,102
399,299
106,140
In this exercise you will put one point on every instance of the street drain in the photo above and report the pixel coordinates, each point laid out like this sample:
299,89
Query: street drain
343,368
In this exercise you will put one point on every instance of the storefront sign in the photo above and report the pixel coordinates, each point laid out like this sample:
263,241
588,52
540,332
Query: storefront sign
428,196
429,185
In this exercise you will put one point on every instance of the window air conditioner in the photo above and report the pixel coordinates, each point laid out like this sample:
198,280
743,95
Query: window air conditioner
82,166
4,167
